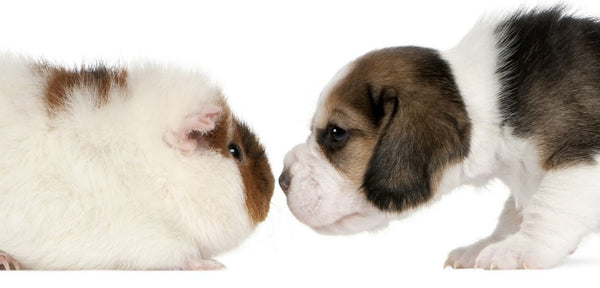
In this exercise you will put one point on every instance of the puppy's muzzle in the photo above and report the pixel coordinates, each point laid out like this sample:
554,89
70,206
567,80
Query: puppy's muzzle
285,180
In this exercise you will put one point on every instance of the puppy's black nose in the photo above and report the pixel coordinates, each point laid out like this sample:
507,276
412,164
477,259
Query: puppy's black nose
285,180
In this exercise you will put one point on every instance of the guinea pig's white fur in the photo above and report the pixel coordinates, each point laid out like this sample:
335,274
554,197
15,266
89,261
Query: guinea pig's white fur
95,186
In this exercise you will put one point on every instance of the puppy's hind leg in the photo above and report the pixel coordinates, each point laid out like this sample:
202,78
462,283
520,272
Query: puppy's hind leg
564,208
508,223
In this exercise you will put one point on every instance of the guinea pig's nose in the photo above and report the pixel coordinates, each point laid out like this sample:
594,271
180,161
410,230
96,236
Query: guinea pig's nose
285,180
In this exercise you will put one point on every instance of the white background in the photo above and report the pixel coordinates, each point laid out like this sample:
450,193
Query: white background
272,59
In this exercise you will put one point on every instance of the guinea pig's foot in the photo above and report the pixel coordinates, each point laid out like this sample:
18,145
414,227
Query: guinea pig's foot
204,264
7,262
200,122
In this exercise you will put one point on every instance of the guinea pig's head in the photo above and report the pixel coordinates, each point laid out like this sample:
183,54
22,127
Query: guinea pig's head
385,130
211,128
239,144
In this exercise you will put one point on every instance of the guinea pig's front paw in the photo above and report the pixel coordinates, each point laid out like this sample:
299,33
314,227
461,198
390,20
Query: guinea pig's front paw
202,122
7,262
203,264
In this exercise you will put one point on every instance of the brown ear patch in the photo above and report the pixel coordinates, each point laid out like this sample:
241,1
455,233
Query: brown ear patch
60,82
255,171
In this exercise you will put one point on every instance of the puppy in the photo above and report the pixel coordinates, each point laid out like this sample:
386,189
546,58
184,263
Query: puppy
142,167
517,99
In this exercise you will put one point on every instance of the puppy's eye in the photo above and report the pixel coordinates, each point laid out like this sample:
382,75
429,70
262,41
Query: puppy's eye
338,134
235,151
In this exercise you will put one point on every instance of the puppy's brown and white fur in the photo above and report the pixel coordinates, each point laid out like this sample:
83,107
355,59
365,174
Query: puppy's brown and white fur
142,167
517,99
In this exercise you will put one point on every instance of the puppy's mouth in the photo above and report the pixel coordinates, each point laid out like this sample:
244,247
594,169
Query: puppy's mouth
346,218
337,226
348,224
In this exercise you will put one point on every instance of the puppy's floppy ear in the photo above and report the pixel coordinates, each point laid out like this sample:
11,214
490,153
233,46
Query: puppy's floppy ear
397,172
414,143
381,99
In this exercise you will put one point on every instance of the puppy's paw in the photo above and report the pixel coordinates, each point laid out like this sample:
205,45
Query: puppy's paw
464,257
7,262
518,252
202,122
204,264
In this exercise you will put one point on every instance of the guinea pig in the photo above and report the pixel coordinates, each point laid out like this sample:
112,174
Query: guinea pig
141,167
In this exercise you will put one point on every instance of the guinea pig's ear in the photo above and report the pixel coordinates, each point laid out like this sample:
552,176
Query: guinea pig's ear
398,175
202,122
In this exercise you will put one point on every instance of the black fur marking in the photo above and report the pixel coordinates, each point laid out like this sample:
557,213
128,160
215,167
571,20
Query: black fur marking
397,176
550,75
378,98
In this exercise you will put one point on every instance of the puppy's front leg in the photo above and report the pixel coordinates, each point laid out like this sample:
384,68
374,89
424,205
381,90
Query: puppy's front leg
565,207
508,224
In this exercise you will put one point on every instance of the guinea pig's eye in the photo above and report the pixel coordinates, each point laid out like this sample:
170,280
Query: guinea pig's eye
235,151
338,134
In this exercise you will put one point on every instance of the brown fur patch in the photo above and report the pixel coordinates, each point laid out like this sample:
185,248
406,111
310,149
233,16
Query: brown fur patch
253,164
353,159
406,123
256,172
60,82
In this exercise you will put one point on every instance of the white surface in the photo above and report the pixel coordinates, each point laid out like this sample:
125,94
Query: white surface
273,59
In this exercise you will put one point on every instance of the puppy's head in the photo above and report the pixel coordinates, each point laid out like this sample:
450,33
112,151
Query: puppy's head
385,129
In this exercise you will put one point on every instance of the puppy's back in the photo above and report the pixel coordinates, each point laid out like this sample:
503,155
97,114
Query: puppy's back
549,69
